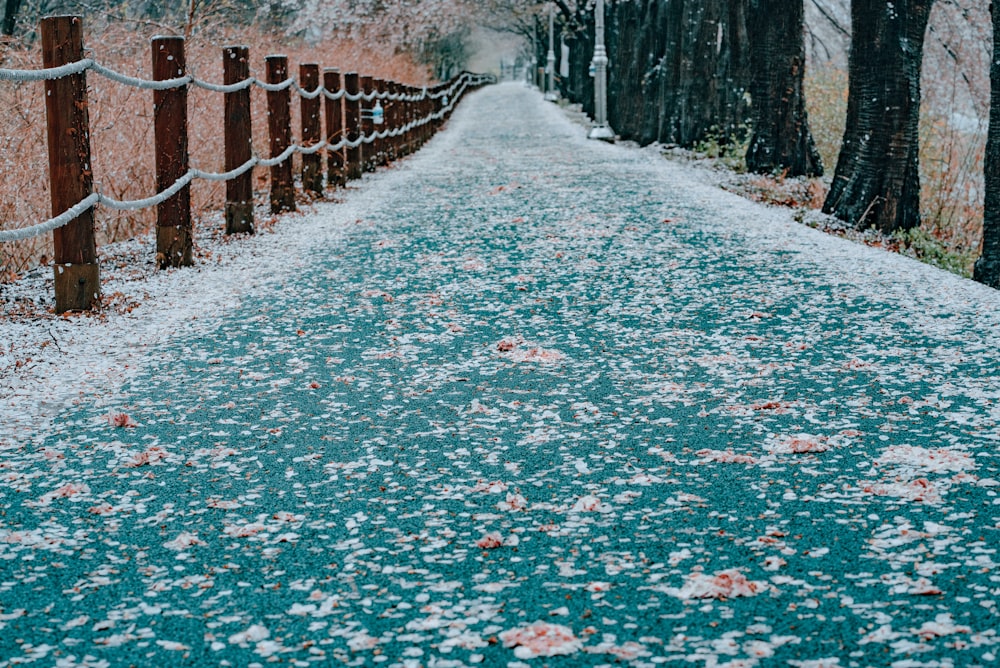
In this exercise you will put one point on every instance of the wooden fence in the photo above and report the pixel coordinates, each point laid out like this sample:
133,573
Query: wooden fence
358,122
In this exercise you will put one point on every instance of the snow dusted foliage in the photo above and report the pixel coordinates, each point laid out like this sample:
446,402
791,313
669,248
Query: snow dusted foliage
522,399
423,26
956,58
404,22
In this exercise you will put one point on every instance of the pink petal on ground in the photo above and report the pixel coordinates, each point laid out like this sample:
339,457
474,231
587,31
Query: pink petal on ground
121,420
800,444
490,541
725,457
730,583
514,502
541,639
537,354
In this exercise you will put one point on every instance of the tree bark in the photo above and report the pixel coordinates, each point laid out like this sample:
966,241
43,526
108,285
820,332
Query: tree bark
631,30
877,181
11,9
704,72
781,139
679,70
987,268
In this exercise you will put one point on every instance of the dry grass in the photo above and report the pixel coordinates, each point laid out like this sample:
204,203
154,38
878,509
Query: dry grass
951,161
121,121
826,103
952,170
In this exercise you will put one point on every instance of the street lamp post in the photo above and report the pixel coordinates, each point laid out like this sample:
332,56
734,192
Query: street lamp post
550,64
601,129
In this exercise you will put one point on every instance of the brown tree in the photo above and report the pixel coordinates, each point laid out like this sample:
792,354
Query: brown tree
781,139
988,265
877,181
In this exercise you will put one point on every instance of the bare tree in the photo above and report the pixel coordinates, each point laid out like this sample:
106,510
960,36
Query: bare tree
877,181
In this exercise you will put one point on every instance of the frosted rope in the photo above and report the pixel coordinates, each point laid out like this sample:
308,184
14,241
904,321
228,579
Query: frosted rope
47,74
274,88
280,158
309,94
136,82
159,198
231,174
228,88
52,223
93,199
315,148
333,97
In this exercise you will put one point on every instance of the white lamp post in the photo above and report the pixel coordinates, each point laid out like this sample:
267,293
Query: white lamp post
601,129
550,64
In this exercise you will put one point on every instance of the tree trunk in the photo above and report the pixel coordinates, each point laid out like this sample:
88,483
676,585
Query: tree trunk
877,182
11,9
704,72
679,70
580,87
988,265
632,35
781,138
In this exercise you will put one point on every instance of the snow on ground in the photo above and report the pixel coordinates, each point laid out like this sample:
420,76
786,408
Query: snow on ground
522,399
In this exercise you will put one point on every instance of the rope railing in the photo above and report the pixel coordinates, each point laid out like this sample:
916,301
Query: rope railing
98,198
24,233
351,144
89,64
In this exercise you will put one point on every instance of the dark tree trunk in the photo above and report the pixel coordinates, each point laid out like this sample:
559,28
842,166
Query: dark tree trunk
781,139
580,87
679,70
877,182
704,73
11,9
988,265
633,36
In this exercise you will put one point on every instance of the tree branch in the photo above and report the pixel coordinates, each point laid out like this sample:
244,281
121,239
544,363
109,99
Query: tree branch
833,21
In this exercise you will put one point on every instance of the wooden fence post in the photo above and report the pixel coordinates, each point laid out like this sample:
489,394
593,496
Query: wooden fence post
427,129
367,127
279,125
433,105
352,124
336,174
312,163
238,136
173,216
403,118
409,115
378,146
442,106
387,104
77,272
392,121
418,114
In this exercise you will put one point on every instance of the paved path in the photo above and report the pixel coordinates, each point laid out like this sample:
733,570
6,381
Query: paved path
545,398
